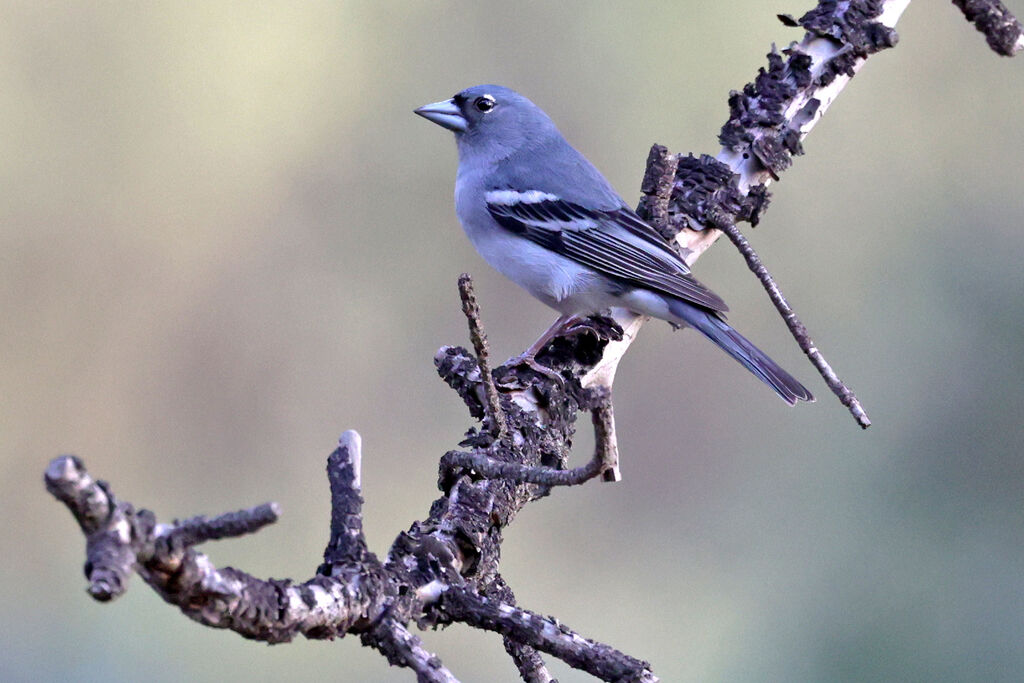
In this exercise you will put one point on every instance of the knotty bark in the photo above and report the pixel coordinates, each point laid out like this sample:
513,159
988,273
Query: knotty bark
445,568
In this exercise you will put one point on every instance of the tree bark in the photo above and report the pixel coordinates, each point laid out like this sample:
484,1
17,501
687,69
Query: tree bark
445,569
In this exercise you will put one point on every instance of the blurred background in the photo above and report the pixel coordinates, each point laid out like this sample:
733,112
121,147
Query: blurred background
225,239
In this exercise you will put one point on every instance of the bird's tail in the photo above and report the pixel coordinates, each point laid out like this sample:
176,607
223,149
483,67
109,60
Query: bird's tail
740,348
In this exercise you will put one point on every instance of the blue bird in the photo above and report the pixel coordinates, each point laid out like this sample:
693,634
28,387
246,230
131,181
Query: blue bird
545,217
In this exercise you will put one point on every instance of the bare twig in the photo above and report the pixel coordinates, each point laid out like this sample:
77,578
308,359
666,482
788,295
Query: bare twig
656,187
606,443
796,327
446,567
402,648
108,533
527,660
196,530
1003,31
483,465
604,461
547,635
479,339
346,551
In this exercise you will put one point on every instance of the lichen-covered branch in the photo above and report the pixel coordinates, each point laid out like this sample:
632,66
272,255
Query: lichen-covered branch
767,123
479,463
199,529
471,310
445,568
457,547
1003,31
527,660
121,539
402,648
545,634
346,550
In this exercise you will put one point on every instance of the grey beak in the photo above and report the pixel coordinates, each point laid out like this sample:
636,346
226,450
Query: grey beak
445,114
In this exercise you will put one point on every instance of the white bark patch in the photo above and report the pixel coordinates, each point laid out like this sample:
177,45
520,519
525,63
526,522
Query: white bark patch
430,592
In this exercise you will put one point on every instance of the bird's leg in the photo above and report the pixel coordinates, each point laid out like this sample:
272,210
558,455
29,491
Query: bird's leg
529,357
558,327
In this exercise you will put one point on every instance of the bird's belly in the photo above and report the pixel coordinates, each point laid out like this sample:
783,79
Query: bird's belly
557,281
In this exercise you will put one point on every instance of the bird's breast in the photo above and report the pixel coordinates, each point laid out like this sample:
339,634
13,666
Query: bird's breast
561,283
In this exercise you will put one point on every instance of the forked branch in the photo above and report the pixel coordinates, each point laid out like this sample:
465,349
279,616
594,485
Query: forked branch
445,569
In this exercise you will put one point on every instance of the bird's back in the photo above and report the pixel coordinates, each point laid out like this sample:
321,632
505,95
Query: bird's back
553,166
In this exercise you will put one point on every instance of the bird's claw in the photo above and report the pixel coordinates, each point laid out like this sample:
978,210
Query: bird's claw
530,361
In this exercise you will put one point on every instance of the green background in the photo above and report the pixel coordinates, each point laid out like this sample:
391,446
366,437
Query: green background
225,239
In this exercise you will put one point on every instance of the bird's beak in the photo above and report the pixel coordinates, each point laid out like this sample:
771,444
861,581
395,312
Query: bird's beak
445,114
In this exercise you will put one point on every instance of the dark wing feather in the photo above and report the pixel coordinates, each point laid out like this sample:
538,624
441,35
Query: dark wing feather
616,243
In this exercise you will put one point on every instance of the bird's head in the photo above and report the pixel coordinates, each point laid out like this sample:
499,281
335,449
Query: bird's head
490,120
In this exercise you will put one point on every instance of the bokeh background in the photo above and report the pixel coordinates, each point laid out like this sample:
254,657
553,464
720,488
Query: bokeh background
225,239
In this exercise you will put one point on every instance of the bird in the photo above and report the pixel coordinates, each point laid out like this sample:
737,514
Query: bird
542,215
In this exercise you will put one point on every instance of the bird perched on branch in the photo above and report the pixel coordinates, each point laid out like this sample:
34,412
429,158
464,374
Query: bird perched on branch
543,216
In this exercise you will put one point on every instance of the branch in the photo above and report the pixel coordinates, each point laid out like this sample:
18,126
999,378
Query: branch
486,467
198,530
445,568
656,188
402,648
1003,31
481,464
768,121
471,310
527,660
346,551
797,328
547,635
109,557
120,539
455,549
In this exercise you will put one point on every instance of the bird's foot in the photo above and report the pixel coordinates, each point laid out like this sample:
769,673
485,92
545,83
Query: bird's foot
530,361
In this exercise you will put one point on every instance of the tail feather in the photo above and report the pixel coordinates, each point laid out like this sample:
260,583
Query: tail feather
740,348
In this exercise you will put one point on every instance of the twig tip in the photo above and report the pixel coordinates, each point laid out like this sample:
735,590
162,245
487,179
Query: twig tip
351,440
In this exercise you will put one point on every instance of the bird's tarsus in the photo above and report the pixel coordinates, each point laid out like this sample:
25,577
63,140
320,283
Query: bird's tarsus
529,360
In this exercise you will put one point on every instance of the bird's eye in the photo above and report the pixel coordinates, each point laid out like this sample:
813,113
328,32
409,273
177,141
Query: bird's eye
484,103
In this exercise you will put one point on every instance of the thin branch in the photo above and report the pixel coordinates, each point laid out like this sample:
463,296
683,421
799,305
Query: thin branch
768,121
656,188
109,551
1003,31
446,567
604,462
196,530
89,501
547,635
484,466
606,443
402,648
120,539
479,339
346,551
527,660
796,327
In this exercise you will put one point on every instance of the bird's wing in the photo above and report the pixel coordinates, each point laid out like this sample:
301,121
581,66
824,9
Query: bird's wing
615,242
